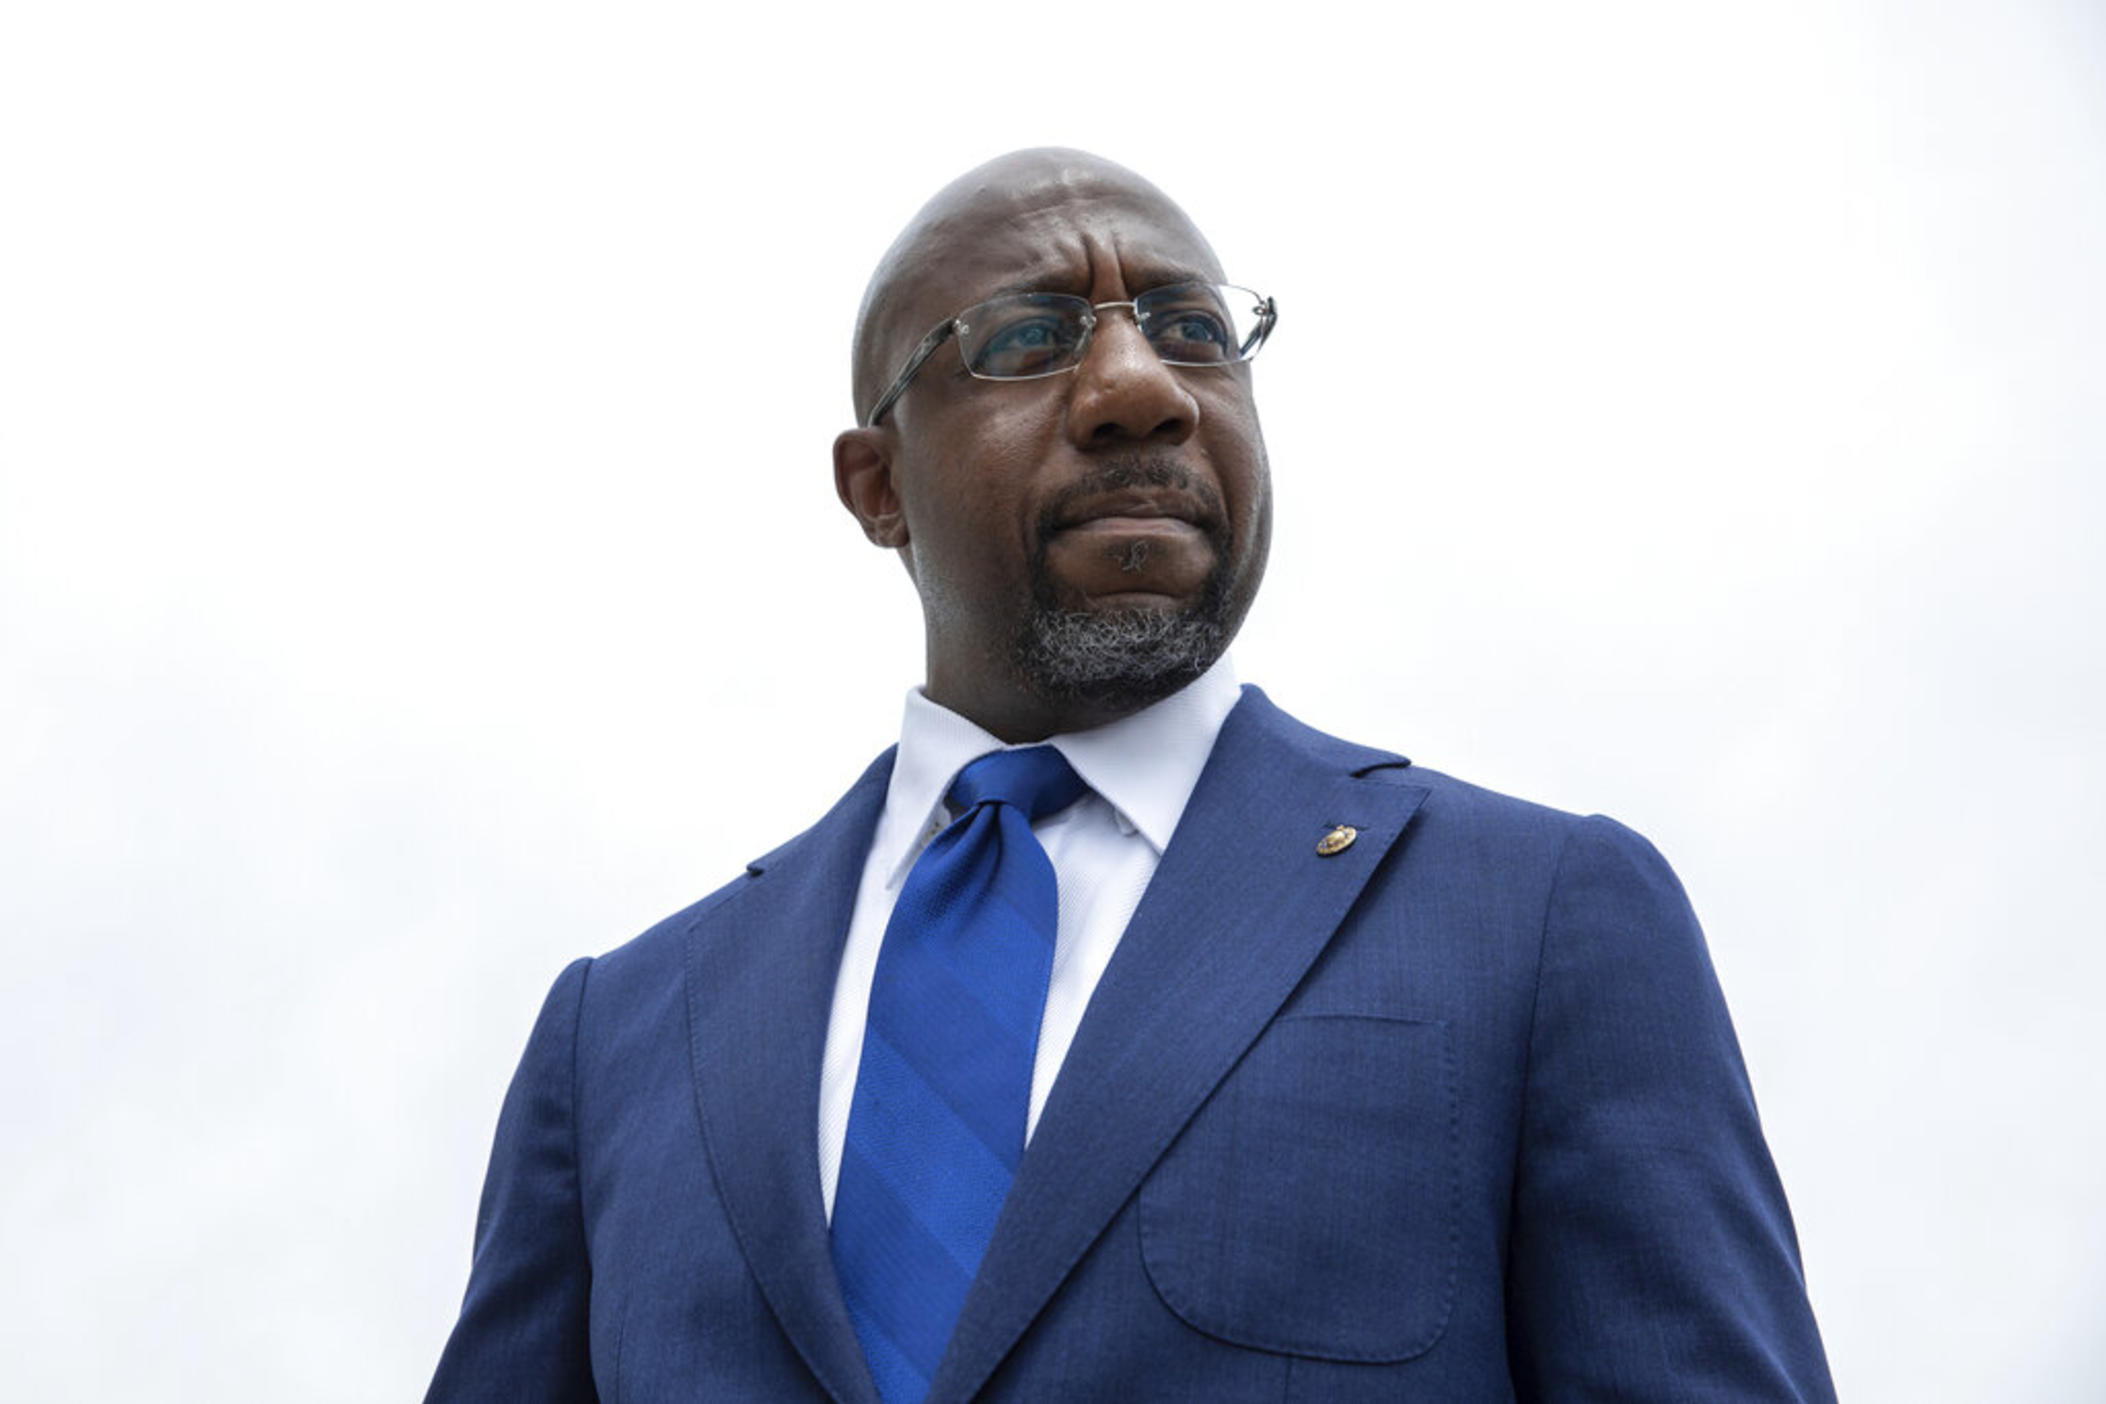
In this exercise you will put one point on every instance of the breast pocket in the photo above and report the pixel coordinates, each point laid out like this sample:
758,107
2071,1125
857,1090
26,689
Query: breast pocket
1311,1206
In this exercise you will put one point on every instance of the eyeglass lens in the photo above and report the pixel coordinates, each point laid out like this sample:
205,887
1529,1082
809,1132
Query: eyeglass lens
1024,335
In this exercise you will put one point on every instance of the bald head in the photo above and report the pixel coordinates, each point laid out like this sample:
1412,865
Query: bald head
951,233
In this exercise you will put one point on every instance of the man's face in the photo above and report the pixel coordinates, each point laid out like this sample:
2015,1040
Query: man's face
1086,542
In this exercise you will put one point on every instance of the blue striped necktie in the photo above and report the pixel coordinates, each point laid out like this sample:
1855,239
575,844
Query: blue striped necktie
936,1127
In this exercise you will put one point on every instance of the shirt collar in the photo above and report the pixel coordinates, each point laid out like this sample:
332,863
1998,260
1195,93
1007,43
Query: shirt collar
1144,765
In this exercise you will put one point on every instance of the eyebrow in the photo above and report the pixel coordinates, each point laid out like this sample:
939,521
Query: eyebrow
1152,277
1028,285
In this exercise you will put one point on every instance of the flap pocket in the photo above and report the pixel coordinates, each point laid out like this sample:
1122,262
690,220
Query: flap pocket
1311,1206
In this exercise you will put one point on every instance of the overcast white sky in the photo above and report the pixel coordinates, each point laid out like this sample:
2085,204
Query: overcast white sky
419,566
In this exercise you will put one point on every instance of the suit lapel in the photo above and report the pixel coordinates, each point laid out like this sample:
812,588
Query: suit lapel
1239,909
761,969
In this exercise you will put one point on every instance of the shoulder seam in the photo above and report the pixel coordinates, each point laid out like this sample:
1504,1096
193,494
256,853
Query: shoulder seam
1535,996
583,965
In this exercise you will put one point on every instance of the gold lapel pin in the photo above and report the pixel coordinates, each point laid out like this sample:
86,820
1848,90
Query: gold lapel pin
1337,841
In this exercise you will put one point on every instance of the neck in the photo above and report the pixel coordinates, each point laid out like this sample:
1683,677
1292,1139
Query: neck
1018,718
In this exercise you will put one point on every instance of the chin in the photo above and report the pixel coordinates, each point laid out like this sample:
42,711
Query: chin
1120,654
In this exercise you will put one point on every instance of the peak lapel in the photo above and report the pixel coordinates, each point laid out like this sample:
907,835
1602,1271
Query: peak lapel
760,981
1239,909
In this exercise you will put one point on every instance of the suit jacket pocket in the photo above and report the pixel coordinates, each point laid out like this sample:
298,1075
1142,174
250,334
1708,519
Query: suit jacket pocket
1311,1206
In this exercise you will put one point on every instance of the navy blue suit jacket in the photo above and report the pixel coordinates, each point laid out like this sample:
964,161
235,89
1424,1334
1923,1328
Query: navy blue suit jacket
1454,1114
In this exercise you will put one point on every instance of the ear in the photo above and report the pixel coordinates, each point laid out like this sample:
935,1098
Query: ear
863,478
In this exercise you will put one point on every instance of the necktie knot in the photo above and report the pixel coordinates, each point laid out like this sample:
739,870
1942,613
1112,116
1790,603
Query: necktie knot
1036,780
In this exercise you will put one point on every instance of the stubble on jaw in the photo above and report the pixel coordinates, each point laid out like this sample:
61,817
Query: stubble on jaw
1123,659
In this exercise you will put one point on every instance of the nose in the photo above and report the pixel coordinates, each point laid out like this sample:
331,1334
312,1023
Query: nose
1124,392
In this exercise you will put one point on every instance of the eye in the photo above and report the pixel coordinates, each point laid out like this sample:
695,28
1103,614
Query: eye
1191,332
1190,326
1029,343
1034,335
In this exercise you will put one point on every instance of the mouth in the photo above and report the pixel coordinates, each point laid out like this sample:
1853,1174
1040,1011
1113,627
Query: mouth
1150,511
1143,494
1132,533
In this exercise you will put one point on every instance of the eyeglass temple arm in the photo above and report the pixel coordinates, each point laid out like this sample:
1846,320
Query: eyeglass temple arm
1268,313
915,362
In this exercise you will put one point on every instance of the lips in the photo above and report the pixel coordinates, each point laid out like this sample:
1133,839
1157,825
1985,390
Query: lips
1132,533
1148,508
1148,501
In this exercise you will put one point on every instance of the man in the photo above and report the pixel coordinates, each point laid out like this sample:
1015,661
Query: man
1118,1037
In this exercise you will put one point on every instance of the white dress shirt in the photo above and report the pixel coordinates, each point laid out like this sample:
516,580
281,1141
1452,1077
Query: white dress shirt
1105,847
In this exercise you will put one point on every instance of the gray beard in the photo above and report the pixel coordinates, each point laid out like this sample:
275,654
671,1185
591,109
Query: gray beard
1122,660
1128,658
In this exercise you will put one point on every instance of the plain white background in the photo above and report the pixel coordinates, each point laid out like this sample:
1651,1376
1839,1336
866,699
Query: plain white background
419,565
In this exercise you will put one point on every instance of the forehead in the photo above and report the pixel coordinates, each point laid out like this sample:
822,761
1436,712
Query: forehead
1085,236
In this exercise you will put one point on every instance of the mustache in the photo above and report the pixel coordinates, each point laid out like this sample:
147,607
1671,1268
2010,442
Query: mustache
1140,470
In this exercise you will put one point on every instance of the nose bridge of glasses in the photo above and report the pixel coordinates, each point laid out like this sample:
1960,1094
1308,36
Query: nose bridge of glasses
1090,320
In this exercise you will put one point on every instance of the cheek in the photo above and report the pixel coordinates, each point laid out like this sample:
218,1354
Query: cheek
964,537
972,502
1237,451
